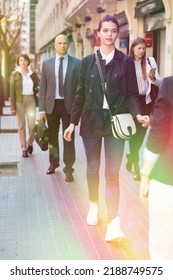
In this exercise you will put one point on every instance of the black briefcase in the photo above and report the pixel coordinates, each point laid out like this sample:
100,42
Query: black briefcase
42,135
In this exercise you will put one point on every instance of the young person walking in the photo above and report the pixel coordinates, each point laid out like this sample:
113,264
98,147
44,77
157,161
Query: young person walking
91,107
23,101
147,75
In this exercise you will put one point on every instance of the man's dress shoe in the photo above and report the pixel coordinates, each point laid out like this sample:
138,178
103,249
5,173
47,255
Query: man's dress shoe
51,169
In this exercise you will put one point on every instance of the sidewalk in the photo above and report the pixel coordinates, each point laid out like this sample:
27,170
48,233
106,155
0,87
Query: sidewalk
43,217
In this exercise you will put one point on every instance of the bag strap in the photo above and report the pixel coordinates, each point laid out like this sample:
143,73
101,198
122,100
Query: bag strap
154,88
148,60
103,83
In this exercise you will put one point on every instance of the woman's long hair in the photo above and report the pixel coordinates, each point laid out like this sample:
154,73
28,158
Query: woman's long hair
139,40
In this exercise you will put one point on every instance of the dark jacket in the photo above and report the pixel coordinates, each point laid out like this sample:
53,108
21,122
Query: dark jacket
16,87
122,93
160,138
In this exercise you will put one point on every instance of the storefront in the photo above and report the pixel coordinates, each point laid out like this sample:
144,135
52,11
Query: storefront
153,14
124,32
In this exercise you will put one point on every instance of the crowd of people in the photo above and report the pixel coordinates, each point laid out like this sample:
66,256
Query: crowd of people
70,92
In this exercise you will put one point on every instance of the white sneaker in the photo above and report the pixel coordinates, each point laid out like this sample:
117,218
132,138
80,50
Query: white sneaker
92,217
114,231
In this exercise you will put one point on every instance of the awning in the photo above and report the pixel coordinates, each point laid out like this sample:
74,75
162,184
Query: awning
148,6
121,18
154,22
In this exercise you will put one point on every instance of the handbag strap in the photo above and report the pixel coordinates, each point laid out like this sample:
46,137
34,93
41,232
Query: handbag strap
103,83
148,60
154,88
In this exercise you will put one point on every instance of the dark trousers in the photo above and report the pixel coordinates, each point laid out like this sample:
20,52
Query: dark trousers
53,120
113,149
136,141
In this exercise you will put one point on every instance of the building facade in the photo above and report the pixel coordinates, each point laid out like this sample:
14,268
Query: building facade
78,19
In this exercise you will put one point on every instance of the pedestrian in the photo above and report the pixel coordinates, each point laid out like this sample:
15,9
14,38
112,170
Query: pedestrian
157,176
147,75
57,91
91,107
23,101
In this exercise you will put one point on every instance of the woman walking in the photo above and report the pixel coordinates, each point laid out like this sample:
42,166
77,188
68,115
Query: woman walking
23,83
91,106
147,77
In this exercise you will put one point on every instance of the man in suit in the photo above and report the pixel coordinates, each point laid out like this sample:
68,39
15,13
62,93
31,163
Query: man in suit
57,91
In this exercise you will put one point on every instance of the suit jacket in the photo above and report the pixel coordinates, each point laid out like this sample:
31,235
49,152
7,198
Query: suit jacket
160,138
122,93
48,84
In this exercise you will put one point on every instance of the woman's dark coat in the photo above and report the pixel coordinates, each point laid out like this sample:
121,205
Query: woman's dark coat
122,93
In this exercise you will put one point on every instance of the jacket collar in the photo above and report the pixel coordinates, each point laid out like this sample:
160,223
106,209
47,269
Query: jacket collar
29,73
118,54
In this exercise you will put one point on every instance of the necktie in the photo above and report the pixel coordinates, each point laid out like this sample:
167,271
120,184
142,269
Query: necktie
61,88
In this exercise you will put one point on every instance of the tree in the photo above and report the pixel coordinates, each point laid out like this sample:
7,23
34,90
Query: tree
11,20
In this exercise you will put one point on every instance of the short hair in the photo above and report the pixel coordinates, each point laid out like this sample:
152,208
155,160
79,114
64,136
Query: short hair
106,19
25,56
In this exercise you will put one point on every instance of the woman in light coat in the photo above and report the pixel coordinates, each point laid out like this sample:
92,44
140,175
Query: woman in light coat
148,80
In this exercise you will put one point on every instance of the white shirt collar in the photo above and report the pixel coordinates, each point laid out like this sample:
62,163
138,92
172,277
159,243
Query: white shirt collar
29,73
137,61
58,56
108,57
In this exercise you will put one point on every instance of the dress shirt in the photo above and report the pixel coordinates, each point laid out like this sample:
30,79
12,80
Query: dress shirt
27,83
142,83
65,63
107,59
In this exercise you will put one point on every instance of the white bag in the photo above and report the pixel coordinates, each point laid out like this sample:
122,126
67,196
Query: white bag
123,126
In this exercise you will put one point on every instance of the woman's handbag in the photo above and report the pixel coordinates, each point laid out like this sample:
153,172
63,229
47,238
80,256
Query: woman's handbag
42,135
123,125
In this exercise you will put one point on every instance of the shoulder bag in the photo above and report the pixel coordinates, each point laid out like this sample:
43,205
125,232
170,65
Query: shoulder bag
123,125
